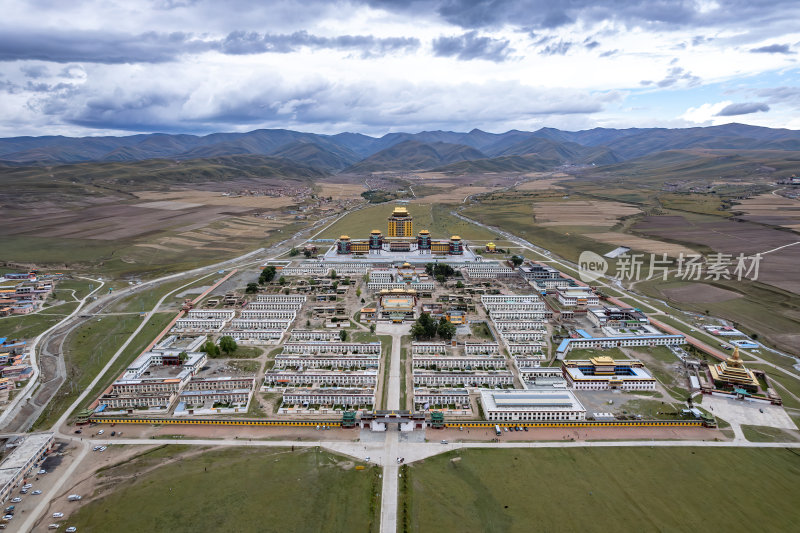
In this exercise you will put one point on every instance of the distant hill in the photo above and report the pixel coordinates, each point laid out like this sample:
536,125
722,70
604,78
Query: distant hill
415,155
324,155
125,176
355,152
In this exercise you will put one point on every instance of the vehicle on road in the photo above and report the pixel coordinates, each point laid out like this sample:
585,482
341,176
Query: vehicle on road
444,442
101,431
58,515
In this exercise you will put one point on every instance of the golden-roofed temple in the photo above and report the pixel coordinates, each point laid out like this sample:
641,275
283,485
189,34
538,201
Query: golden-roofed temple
732,373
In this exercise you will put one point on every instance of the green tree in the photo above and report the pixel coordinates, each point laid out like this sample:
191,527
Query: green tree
343,335
372,328
210,348
282,281
267,275
293,252
417,330
307,253
251,288
516,260
459,284
183,356
333,274
358,293
227,344
446,330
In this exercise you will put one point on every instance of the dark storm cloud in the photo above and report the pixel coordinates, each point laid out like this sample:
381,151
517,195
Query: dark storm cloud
254,43
35,71
547,14
773,49
744,108
472,46
273,102
153,47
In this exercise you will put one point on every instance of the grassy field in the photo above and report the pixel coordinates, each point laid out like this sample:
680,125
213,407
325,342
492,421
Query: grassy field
602,489
234,489
30,326
436,219
87,351
768,434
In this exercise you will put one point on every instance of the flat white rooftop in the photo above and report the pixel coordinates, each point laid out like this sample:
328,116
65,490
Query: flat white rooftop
530,400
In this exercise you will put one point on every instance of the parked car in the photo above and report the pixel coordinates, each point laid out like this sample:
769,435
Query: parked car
24,491
58,515
71,529
27,486
113,433
101,431
54,526
8,517
74,497
36,492
16,500
42,472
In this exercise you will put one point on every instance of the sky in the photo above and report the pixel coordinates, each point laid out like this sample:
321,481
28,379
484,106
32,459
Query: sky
116,67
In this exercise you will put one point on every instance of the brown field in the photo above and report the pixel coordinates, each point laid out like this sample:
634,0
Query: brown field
777,268
773,210
700,293
109,222
639,243
541,184
341,191
595,213
200,198
453,196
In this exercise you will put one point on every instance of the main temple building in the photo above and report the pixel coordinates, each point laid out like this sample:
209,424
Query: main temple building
400,243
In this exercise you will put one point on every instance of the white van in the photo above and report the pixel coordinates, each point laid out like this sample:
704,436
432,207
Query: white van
74,497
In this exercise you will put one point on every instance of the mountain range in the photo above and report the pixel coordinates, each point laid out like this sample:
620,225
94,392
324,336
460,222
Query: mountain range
446,151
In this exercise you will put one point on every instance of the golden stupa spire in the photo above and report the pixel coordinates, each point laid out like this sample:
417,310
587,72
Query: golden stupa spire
735,360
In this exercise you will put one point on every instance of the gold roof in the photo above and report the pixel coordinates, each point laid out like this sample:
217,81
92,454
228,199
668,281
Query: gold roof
455,238
490,244
402,211
424,232
375,232
343,237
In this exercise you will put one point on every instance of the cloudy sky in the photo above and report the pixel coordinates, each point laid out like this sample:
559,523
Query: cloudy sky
374,66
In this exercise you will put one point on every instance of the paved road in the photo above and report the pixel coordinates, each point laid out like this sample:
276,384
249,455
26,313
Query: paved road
391,449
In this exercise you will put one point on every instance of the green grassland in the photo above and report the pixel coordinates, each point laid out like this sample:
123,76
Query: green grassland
435,218
88,349
30,326
769,434
602,489
234,489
